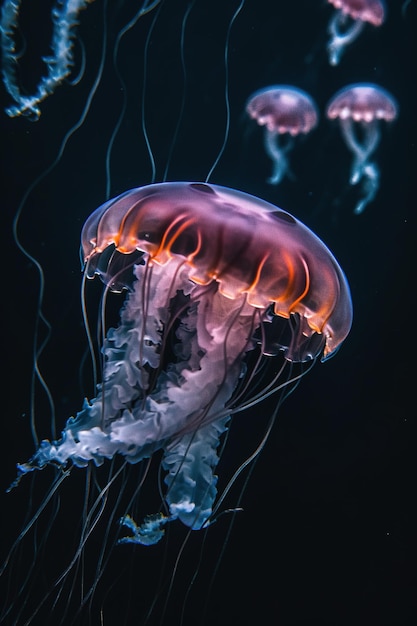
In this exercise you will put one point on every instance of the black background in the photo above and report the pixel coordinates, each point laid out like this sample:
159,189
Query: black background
328,532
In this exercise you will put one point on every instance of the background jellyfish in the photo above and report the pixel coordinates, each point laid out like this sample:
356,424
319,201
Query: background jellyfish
349,21
284,111
328,499
360,109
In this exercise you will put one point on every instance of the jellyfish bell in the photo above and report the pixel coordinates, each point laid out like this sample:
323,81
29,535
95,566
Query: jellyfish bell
360,109
215,268
348,22
282,110
372,11
363,102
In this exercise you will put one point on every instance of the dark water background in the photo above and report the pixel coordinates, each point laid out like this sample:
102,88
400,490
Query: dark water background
328,532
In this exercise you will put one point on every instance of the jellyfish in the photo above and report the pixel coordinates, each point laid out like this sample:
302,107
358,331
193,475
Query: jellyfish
360,108
207,269
283,110
349,21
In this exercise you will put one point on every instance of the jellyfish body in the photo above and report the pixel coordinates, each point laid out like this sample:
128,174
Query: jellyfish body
349,21
360,108
206,268
283,110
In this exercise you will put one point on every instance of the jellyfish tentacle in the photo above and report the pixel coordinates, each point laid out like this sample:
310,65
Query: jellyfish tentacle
362,150
363,171
184,414
191,459
370,186
277,153
148,533
342,35
191,462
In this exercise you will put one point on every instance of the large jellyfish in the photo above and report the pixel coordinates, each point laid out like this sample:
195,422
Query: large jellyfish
349,21
210,273
360,109
283,110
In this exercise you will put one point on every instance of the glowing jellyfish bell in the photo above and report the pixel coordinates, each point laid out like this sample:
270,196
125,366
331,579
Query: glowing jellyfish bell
349,21
284,111
360,108
212,274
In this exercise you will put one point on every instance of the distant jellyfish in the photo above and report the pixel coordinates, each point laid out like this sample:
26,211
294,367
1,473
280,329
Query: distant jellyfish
349,21
360,108
283,110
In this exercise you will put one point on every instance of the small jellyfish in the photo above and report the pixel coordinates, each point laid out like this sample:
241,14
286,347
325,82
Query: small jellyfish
349,21
360,109
283,110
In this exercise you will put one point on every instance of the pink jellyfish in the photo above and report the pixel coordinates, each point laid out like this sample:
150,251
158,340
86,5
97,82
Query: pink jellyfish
362,106
204,264
283,110
349,21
